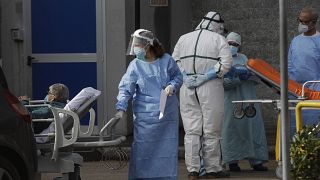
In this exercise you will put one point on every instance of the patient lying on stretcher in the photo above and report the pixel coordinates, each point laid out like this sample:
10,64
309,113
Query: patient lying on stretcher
73,105
57,96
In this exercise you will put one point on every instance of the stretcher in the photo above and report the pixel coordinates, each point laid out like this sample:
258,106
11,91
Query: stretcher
57,144
271,76
305,97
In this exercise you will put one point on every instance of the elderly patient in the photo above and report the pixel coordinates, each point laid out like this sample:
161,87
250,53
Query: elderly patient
74,105
57,96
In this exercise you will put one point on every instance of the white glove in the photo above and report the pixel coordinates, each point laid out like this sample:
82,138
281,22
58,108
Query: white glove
169,90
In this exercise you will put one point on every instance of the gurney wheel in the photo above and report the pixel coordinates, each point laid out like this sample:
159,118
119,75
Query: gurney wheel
250,111
238,112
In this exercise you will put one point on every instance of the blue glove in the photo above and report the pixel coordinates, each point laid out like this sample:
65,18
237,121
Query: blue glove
241,70
188,81
200,79
211,74
238,71
231,73
245,76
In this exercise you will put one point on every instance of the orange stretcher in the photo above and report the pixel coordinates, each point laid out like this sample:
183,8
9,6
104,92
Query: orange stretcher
305,98
272,76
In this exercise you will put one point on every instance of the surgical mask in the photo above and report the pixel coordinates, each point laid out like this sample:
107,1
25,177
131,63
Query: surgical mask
234,50
302,28
46,98
139,52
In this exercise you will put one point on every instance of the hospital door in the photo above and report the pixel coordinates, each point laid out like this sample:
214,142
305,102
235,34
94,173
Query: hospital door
63,45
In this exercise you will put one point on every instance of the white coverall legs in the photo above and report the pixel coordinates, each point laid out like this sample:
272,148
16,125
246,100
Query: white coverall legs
202,112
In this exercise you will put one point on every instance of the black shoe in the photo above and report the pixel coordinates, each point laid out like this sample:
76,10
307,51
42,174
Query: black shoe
259,167
193,175
220,174
234,167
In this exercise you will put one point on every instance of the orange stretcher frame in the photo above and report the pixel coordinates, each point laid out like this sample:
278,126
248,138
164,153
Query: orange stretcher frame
271,75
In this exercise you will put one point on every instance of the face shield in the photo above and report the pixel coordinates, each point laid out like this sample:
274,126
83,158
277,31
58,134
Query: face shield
140,38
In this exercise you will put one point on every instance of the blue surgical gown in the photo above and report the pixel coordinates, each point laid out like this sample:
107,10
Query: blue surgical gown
242,138
304,65
154,153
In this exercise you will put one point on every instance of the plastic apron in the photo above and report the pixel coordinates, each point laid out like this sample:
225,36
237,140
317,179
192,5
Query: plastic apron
242,138
154,153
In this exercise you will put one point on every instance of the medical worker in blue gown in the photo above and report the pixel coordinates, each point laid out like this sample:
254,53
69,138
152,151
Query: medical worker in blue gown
241,138
154,153
304,59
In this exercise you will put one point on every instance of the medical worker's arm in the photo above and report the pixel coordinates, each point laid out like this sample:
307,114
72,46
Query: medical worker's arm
230,83
127,87
290,63
225,62
242,72
221,67
176,77
176,54
199,79
187,80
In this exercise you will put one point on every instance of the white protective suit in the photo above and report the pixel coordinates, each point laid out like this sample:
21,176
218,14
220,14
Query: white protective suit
202,108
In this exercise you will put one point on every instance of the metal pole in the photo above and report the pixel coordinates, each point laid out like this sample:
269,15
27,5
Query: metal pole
285,123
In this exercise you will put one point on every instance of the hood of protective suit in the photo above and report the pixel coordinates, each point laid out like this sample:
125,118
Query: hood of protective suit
213,22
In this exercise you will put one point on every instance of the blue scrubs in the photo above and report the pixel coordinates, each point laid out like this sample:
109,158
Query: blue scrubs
154,153
304,65
242,138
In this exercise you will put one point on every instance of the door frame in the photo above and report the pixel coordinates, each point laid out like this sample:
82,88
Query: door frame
98,57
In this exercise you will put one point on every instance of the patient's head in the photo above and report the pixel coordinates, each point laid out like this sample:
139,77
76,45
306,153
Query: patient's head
58,92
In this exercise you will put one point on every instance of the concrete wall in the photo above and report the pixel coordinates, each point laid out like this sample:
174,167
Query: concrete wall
257,21
168,23
13,52
115,58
